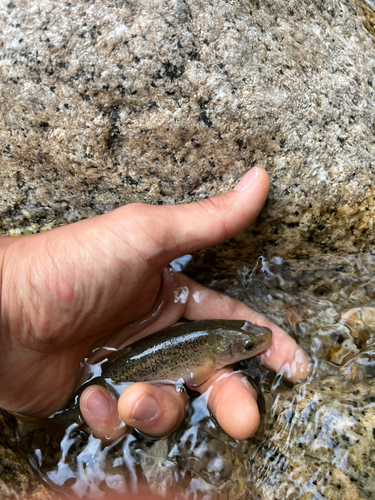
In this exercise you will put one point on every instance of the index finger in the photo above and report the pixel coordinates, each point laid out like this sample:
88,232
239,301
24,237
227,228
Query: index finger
197,302
283,355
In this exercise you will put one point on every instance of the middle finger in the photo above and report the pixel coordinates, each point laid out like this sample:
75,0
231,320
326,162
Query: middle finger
156,410
233,402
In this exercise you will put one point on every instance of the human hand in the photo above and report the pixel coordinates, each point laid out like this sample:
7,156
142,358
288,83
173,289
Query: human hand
102,282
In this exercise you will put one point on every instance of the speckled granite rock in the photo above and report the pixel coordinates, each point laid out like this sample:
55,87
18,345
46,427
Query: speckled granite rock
109,102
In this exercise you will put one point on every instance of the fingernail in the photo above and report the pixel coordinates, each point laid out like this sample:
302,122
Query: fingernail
248,179
97,404
146,409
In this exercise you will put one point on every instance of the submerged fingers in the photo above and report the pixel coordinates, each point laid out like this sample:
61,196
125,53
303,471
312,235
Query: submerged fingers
155,410
283,355
184,297
233,402
159,410
99,410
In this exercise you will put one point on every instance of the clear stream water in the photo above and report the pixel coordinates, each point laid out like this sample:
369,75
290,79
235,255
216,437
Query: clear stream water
316,439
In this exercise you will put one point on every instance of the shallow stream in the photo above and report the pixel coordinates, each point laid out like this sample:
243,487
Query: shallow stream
316,439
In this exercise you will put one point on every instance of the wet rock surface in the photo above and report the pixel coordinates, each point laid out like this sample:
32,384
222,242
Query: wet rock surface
110,102
18,480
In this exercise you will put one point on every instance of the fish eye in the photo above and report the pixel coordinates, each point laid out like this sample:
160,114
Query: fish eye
248,344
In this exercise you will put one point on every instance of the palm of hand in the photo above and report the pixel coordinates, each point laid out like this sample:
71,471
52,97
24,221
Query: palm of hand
75,290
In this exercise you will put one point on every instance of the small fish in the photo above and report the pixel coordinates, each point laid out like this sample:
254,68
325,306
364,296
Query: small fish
190,351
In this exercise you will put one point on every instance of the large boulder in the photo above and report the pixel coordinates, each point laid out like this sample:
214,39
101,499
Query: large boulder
107,102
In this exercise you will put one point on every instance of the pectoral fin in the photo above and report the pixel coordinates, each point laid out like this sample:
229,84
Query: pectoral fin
200,375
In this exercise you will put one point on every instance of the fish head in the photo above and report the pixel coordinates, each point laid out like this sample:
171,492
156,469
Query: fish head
234,345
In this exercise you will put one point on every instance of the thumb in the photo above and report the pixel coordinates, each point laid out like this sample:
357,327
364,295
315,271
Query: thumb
179,229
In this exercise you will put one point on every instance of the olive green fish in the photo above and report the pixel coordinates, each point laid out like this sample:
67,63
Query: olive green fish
188,352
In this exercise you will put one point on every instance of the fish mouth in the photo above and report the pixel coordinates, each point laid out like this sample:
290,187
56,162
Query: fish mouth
263,341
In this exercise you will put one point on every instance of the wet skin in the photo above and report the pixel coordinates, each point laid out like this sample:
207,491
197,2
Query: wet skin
104,282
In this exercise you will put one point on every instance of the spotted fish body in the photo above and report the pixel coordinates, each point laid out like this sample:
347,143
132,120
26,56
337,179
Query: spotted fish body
189,351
